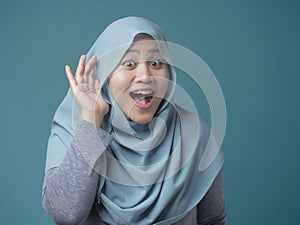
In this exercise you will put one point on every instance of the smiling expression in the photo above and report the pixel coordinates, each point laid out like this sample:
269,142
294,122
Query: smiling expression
140,81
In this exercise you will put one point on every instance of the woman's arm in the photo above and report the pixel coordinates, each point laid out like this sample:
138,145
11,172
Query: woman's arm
211,209
70,189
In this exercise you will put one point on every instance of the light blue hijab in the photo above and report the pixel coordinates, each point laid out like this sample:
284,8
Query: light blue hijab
149,173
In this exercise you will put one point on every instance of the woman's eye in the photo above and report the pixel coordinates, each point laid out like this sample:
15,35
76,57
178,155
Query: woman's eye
155,63
129,63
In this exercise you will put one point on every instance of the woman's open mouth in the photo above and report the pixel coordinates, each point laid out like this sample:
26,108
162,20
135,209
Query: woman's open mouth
143,98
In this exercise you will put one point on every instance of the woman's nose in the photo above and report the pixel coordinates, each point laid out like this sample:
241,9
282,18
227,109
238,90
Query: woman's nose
143,73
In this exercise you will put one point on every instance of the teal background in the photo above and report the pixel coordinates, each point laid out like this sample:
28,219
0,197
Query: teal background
251,46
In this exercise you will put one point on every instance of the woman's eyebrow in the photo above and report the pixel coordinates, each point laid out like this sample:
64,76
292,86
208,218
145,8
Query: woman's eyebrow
153,51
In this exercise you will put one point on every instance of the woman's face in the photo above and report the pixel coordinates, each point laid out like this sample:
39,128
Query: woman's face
140,81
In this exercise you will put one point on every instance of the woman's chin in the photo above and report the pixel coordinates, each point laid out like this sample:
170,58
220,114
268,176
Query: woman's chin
141,119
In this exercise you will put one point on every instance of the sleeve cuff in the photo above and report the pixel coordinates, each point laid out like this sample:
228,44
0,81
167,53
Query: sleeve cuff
91,141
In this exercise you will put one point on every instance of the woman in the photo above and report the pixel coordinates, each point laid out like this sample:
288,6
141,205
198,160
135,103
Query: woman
120,151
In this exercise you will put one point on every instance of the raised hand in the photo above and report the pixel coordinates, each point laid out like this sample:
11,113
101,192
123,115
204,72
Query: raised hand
86,91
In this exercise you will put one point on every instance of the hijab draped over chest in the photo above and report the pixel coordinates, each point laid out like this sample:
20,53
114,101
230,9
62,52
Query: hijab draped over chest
152,171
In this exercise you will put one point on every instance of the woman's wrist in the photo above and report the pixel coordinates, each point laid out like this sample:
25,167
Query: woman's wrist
92,118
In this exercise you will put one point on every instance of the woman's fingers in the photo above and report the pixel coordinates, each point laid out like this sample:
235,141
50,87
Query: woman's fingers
97,85
84,76
90,64
91,79
88,76
80,68
71,78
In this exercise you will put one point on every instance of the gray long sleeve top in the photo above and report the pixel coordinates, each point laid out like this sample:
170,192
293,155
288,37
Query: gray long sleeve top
69,190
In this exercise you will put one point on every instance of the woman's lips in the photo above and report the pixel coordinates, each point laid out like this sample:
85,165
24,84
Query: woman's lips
143,98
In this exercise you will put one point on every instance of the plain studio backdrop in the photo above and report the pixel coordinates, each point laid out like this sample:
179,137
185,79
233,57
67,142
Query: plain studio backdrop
251,46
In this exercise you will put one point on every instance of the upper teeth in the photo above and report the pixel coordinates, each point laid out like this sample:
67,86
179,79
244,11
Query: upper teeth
143,92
